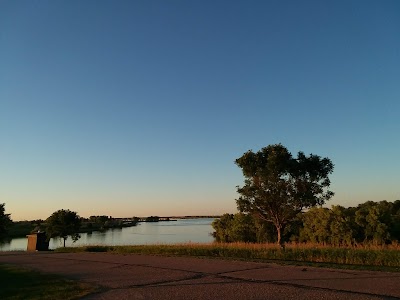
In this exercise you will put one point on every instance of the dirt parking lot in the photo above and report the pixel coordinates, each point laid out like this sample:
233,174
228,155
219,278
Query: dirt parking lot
135,276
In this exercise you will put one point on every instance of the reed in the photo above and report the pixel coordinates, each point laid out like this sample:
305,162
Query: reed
361,255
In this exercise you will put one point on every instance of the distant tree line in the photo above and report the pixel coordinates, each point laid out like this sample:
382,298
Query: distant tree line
370,222
152,219
62,223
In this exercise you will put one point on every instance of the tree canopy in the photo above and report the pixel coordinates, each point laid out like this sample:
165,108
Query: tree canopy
278,186
375,223
5,221
64,223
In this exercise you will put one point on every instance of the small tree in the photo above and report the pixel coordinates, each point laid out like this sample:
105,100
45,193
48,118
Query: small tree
222,227
63,223
278,186
5,221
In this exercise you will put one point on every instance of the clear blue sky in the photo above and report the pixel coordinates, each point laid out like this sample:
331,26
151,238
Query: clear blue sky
135,108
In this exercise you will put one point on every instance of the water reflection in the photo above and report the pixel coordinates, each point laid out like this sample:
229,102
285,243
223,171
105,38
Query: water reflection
14,244
181,231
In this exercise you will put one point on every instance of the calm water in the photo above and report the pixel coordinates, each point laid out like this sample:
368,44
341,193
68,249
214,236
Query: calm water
181,231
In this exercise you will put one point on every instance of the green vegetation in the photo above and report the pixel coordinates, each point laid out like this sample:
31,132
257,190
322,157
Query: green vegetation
282,199
94,223
99,223
373,257
278,186
243,228
24,284
21,228
277,189
5,221
63,223
370,223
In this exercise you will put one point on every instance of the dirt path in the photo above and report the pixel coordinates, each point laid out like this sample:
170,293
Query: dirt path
154,277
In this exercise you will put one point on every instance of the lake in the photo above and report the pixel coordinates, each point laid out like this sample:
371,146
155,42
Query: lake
172,232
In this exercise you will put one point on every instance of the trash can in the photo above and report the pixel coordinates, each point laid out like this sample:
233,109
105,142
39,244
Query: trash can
37,242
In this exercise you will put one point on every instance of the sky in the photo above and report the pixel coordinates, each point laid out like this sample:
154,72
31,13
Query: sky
137,108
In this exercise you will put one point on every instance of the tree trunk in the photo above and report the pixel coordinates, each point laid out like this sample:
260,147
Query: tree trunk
279,230
64,242
279,240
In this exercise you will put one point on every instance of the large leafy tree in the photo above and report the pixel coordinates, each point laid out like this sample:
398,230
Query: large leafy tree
5,221
64,223
278,186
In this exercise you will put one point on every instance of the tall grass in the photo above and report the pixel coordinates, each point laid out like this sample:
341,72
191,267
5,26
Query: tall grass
362,255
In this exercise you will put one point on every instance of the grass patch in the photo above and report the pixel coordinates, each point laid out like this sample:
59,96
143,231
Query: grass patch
18,283
373,258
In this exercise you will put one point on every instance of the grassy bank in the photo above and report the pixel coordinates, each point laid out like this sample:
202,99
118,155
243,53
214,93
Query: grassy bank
366,257
24,284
